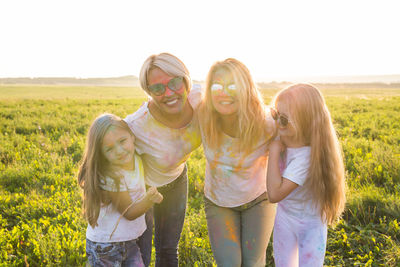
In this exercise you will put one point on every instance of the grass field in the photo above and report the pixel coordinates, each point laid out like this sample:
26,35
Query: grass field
42,135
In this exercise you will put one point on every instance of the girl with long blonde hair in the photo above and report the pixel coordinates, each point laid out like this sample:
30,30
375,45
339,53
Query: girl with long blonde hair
236,131
305,175
114,194
247,124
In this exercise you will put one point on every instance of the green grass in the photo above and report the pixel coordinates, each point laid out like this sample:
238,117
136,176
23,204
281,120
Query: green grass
42,136
52,92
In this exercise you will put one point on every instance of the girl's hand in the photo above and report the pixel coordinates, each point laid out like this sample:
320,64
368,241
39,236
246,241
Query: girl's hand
157,198
124,205
153,195
278,187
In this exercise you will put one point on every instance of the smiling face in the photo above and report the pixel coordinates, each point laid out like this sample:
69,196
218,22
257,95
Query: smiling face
118,148
170,102
224,99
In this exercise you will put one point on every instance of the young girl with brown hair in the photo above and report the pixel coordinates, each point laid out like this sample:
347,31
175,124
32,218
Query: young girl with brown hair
114,195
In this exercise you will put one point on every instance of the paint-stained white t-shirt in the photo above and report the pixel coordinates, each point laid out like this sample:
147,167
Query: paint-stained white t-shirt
164,150
233,178
298,202
133,182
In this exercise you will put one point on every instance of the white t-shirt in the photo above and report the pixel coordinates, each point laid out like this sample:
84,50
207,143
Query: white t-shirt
298,202
133,182
233,179
164,150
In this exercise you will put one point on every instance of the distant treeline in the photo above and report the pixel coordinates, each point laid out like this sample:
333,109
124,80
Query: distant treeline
134,81
280,85
117,81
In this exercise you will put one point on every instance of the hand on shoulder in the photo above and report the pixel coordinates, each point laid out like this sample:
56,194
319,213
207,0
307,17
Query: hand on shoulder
276,147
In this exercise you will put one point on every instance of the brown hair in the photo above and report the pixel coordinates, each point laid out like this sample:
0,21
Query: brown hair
94,166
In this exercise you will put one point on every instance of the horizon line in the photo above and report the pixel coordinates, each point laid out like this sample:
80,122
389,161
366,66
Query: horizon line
373,78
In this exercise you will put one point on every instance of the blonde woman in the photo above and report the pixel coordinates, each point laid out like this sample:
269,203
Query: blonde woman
311,187
236,132
166,134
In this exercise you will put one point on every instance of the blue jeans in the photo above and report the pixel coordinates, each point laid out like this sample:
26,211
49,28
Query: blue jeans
125,253
239,236
169,216
145,240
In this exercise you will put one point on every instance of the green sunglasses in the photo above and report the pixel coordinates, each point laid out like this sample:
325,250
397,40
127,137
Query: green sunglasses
159,89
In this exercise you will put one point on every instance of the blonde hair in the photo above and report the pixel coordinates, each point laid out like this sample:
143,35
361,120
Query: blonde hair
95,167
313,126
168,63
251,114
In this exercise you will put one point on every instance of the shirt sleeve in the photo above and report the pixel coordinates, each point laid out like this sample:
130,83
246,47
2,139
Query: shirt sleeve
195,95
135,122
297,170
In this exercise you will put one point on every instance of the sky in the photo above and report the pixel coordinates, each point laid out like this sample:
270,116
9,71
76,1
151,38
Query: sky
274,39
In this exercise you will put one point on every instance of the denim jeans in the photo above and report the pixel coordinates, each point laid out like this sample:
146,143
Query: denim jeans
145,240
125,253
239,236
169,217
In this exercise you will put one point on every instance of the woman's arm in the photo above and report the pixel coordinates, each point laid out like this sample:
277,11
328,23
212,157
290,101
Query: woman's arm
122,200
277,187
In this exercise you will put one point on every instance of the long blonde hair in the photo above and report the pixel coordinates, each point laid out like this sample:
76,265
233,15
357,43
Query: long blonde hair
251,115
95,167
313,126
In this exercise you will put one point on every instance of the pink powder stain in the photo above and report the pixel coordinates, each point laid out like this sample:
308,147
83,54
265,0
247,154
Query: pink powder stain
248,245
282,162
